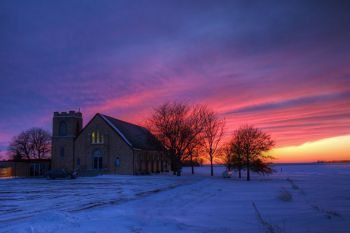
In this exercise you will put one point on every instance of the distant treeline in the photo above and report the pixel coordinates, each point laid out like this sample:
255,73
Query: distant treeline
189,163
333,161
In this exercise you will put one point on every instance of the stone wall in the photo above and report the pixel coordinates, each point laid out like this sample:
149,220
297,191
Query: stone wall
147,162
63,145
117,156
112,148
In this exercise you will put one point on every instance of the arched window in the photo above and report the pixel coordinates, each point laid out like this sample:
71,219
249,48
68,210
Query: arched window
117,162
97,137
62,131
62,151
97,159
102,139
93,137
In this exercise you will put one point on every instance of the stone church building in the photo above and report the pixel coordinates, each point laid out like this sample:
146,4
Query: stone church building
105,146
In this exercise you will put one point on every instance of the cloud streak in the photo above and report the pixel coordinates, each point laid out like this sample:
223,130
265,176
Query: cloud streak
283,66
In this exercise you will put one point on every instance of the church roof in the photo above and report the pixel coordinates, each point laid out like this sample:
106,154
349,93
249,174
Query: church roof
135,136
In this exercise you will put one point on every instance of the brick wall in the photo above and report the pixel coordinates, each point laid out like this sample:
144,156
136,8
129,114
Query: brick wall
113,147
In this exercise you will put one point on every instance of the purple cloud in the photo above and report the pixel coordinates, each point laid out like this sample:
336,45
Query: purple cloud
123,58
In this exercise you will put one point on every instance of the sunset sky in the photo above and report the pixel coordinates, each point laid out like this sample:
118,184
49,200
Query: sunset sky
283,66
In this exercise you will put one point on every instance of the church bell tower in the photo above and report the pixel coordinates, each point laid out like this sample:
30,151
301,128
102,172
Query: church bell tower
65,128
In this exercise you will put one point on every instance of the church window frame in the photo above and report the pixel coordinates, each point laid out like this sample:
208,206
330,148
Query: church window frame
62,128
97,137
97,159
62,152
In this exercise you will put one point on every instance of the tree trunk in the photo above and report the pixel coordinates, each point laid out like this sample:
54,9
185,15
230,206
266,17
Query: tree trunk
173,166
211,166
192,164
248,170
239,167
178,167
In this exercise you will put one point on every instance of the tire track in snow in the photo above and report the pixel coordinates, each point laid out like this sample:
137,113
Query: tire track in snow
269,228
329,214
123,200
98,204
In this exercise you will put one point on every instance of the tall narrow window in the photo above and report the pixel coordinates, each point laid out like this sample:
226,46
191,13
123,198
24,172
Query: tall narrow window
62,130
100,163
97,159
97,137
62,152
102,139
93,137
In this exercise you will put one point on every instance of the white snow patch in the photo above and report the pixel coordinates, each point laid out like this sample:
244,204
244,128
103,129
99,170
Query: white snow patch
164,203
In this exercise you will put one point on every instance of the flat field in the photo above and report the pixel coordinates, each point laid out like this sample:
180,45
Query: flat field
297,198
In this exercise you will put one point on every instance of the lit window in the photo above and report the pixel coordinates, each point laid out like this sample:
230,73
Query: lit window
97,137
93,138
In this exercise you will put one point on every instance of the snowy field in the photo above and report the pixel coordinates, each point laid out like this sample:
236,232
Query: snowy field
298,198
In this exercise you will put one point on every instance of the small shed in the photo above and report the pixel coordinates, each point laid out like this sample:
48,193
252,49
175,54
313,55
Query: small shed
25,168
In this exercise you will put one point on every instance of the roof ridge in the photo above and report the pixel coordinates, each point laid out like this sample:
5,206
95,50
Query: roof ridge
124,121
116,129
136,136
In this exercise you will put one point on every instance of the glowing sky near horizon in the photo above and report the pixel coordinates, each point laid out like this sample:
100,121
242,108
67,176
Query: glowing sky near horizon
283,66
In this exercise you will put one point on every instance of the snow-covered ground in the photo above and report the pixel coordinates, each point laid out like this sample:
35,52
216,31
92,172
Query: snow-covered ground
298,198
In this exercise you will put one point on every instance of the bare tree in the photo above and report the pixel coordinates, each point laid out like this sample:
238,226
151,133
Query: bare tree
237,152
252,143
228,159
232,159
212,135
40,142
34,143
20,147
193,152
177,126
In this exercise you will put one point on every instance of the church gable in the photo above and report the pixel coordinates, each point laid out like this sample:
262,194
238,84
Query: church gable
136,136
109,145
98,131
98,147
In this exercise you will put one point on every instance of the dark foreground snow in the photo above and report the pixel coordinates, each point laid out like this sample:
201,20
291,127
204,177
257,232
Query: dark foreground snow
298,198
